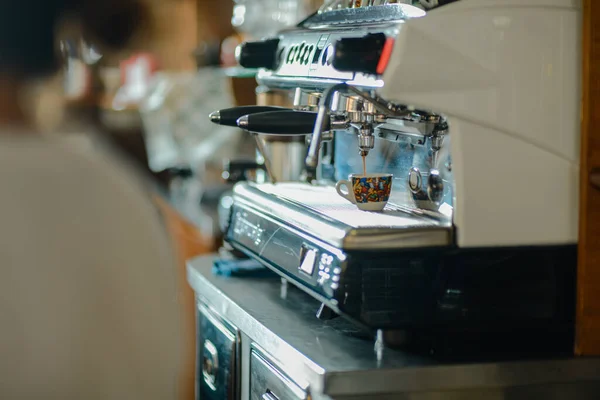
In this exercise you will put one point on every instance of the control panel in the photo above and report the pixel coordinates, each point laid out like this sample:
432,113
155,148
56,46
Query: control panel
310,55
307,57
309,261
344,45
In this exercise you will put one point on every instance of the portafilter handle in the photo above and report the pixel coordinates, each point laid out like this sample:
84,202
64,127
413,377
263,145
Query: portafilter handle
280,123
229,116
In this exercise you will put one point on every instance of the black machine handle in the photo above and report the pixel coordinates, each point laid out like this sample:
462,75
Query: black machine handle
280,122
261,54
359,54
229,116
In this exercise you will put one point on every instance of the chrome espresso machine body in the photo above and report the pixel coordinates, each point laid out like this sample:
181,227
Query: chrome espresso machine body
390,86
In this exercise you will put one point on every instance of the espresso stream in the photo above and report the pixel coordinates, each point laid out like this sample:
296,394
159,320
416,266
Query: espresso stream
364,165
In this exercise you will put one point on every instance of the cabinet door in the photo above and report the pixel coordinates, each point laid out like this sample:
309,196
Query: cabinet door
267,382
217,357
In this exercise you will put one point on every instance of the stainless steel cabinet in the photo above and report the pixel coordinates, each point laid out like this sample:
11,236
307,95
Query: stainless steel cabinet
217,357
260,345
267,382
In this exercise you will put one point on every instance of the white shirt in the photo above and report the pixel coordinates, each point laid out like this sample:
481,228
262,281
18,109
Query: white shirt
88,296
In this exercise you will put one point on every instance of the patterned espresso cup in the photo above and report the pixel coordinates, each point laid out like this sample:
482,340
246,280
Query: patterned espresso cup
369,192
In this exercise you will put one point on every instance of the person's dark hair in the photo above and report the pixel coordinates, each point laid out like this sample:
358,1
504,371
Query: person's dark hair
28,29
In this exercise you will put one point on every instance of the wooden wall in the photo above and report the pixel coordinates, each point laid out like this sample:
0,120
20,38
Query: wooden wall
176,27
214,19
182,24
588,279
175,36
188,243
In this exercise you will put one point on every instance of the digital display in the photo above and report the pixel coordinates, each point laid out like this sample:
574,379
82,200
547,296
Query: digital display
308,258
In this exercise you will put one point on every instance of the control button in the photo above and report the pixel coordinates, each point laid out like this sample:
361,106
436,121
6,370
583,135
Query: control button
335,278
335,286
337,270
326,259
415,181
258,54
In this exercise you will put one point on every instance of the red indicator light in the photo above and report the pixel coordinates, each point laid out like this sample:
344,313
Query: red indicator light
386,54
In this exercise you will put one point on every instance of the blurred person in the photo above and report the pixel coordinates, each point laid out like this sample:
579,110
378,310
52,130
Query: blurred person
88,293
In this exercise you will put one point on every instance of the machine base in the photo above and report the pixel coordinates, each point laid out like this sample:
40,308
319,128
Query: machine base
452,290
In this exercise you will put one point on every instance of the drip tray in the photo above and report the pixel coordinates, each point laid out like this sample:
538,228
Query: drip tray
320,212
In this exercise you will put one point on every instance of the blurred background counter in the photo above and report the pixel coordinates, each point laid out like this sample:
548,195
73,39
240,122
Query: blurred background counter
150,102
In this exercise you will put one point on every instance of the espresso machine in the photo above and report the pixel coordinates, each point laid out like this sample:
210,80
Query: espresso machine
481,134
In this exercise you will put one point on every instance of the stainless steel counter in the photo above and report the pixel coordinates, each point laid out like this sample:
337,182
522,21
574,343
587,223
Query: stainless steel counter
333,359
